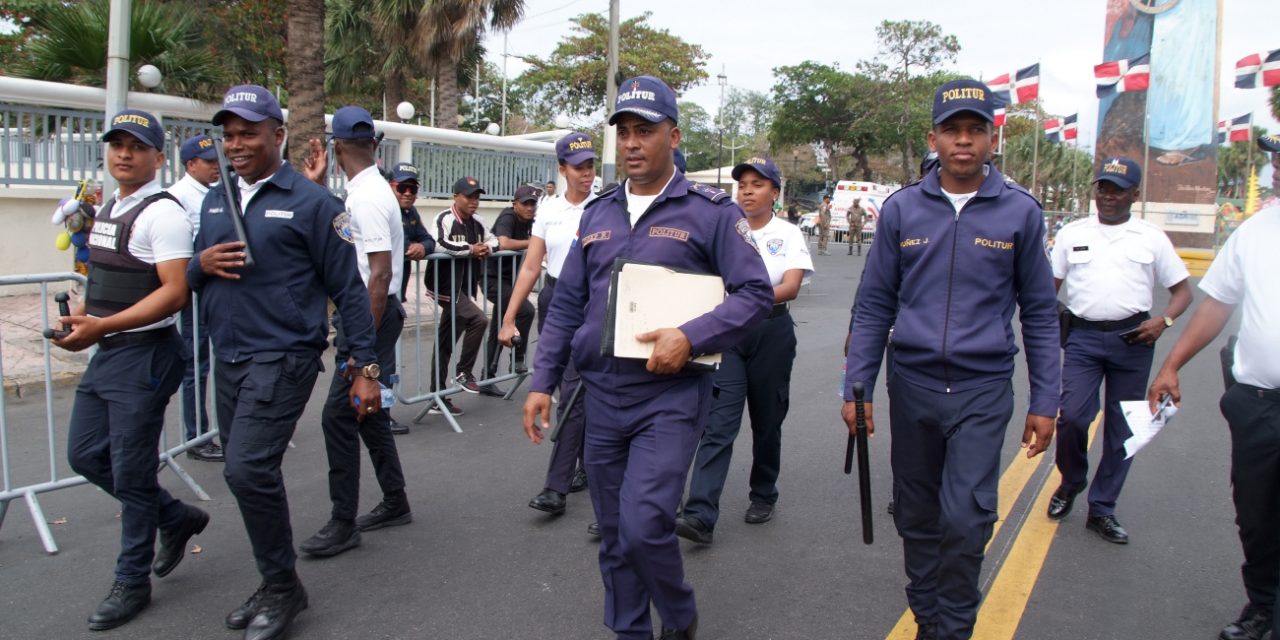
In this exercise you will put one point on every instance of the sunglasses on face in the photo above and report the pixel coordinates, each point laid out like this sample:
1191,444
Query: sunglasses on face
401,187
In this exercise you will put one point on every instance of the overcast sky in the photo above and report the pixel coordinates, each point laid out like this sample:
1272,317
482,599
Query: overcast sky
749,38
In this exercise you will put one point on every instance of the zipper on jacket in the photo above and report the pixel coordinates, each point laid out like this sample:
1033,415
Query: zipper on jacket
951,275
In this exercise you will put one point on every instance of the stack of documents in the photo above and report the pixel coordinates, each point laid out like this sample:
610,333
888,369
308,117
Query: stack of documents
645,297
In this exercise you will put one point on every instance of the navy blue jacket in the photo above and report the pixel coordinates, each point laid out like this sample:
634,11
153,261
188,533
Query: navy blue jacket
689,227
948,282
300,237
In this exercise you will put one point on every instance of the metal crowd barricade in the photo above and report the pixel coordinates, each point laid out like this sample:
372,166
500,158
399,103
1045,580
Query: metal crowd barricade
11,490
204,433
422,389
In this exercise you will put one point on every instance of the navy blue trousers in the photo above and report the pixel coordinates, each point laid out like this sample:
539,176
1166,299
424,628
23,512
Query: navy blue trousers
343,433
639,444
259,403
1254,417
114,438
566,453
755,373
193,385
1089,359
945,455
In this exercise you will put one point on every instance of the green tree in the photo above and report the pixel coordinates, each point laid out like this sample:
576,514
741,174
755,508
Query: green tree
746,118
572,78
837,110
1234,166
1063,172
1275,102
248,36
698,138
909,52
446,33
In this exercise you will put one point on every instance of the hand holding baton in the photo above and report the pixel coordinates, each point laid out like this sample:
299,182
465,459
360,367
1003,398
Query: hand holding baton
859,442
64,310
233,202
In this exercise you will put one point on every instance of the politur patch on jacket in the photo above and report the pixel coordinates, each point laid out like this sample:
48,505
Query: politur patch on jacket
744,230
342,226
1002,245
669,232
599,235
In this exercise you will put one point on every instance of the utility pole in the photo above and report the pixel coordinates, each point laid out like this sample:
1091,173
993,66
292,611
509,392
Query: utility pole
117,71
611,97
504,84
723,80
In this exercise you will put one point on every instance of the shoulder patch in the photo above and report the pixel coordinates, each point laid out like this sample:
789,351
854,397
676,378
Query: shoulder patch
342,226
707,191
744,229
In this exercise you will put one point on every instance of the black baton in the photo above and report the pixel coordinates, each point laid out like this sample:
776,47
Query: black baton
64,309
859,442
564,411
233,202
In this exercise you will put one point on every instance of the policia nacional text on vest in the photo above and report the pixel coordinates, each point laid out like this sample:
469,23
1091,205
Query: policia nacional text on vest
117,278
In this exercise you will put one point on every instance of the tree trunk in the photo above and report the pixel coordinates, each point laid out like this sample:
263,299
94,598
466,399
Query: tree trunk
393,85
447,95
864,164
305,82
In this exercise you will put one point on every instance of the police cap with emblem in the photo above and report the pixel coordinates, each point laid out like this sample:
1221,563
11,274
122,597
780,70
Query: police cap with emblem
200,146
647,97
963,95
1122,172
352,123
404,172
248,101
761,165
1270,144
467,186
139,124
575,149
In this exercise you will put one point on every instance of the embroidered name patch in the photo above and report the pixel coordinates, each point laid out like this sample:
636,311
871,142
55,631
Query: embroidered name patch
276,213
913,242
668,232
597,236
993,244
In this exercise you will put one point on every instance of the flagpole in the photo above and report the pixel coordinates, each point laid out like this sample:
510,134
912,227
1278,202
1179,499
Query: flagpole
1002,142
1146,151
1074,196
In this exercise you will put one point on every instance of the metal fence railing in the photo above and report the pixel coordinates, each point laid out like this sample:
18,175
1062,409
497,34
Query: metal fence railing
499,172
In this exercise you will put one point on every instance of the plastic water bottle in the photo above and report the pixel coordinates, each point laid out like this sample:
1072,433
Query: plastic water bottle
844,368
388,396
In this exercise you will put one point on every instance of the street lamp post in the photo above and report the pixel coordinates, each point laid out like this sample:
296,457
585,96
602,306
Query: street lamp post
724,80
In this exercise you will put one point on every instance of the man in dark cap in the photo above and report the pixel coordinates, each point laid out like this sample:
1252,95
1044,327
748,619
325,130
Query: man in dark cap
644,418
139,249
969,248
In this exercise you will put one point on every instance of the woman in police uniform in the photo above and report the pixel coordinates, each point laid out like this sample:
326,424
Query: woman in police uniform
757,371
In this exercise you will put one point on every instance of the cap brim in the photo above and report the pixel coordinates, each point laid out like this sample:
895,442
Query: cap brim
579,157
527,199
469,191
939,119
140,138
403,178
1123,183
647,114
251,116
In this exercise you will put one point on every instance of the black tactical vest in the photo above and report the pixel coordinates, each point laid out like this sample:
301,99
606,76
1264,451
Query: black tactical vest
117,279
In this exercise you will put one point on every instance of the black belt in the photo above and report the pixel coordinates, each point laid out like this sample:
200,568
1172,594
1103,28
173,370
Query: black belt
551,281
1266,394
1109,325
778,309
137,337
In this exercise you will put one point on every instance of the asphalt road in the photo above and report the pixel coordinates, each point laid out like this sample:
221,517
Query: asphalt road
477,563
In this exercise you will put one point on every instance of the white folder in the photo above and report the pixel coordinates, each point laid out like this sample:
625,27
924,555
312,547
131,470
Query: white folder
644,297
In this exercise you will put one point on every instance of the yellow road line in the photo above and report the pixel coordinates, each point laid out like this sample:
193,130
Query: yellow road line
1012,483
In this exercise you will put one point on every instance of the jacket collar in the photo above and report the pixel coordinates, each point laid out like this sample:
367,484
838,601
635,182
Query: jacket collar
991,187
676,188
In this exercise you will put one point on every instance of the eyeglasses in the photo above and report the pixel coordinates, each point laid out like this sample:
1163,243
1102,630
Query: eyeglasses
401,187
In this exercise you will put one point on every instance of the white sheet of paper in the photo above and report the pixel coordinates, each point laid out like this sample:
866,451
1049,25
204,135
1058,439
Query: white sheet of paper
653,297
1137,413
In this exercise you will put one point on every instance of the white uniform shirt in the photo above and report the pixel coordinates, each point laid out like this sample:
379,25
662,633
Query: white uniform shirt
190,192
783,247
375,223
1246,272
1110,270
557,224
160,233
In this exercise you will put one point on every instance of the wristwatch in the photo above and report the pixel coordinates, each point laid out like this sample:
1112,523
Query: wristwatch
371,371
1168,322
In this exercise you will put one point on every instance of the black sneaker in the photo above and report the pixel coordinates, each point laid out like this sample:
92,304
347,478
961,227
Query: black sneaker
208,452
385,515
397,428
335,537
691,528
448,405
492,390
759,513
467,382
927,631
121,605
1253,624
593,530
276,610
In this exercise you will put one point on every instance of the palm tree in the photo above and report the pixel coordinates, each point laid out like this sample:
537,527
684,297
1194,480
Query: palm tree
367,48
72,47
305,70
446,32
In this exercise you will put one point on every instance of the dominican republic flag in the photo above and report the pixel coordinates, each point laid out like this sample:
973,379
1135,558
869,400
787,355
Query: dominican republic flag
1249,67
1240,128
1119,76
1053,129
1024,87
1222,131
1000,113
1070,128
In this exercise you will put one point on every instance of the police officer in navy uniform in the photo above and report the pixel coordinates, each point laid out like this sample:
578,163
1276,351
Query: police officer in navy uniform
269,325
138,252
1109,264
953,255
377,234
756,372
644,418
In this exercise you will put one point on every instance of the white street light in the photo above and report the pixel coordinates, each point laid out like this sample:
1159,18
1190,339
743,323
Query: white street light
492,129
562,121
405,111
149,76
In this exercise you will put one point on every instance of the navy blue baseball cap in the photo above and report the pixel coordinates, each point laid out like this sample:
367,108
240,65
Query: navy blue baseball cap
761,165
647,97
404,172
139,124
575,149
681,163
963,95
1270,144
200,146
352,123
1122,172
248,101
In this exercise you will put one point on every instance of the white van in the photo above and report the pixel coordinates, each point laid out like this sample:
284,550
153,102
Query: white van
871,194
